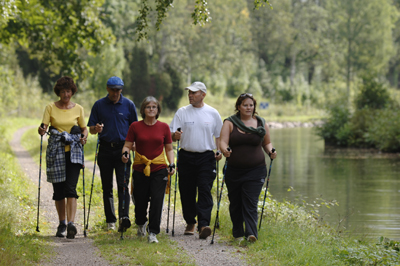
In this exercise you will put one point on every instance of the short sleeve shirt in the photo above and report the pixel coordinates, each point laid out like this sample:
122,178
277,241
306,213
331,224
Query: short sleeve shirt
149,141
116,118
64,119
199,127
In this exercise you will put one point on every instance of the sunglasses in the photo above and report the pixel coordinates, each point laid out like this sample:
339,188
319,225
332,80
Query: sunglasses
246,94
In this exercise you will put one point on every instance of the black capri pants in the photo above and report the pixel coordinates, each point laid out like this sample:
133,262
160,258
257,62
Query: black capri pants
67,189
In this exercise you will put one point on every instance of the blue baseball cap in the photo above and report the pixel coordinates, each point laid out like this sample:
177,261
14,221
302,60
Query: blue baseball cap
115,83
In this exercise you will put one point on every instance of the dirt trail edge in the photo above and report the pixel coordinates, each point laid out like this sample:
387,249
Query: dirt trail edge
78,251
81,251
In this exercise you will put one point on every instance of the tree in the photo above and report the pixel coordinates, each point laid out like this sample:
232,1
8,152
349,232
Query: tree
138,80
363,31
58,33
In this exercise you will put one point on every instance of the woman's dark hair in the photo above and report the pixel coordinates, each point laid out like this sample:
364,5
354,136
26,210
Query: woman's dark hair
243,97
146,101
65,83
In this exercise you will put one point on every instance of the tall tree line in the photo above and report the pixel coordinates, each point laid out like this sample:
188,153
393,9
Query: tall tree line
294,52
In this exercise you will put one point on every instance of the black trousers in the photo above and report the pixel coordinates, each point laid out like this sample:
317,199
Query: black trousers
196,177
244,189
151,188
109,159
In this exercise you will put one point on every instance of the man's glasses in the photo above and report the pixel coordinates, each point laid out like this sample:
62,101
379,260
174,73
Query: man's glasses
151,107
246,94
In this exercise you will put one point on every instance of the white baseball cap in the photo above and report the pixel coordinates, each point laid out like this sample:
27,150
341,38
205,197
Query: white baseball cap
197,86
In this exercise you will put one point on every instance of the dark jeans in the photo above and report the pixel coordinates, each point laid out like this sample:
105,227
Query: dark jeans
196,173
149,187
109,159
67,189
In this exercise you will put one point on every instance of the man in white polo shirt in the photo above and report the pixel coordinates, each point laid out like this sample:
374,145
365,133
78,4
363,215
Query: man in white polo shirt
200,124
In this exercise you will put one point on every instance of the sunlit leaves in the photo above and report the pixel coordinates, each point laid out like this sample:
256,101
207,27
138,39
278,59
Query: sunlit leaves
261,3
201,14
58,33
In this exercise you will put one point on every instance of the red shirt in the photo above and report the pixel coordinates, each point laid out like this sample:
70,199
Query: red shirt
150,141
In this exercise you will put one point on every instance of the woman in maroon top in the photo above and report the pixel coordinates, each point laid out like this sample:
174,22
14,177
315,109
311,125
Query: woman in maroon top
150,138
246,134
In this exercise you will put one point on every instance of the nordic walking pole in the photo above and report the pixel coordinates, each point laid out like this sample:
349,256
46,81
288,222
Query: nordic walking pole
266,189
123,201
217,224
176,181
169,198
220,197
83,185
94,170
40,176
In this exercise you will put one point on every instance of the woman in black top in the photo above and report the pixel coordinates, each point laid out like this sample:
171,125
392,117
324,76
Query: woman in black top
246,134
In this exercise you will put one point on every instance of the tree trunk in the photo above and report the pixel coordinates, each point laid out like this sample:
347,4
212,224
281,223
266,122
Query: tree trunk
292,69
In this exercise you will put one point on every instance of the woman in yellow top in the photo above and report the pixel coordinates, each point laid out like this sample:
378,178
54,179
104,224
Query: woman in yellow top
64,152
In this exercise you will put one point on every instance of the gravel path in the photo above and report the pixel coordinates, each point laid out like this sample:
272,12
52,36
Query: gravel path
78,251
81,251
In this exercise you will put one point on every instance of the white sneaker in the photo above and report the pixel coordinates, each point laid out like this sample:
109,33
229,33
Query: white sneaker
111,226
142,230
152,238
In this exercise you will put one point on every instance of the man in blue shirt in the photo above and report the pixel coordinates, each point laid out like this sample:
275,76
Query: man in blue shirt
111,117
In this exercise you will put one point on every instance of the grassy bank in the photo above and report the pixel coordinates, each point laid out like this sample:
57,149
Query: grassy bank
296,235
19,243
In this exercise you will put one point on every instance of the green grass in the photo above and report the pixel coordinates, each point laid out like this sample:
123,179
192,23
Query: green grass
19,242
294,235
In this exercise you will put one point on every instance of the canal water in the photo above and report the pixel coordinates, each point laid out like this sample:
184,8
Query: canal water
365,184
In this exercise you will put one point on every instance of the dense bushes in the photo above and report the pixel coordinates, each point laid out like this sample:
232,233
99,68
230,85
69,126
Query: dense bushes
374,123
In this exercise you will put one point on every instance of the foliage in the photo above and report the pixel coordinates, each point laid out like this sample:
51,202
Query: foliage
138,82
19,96
58,33
200,14
374,123
384,132
385,252
296,234
372,95
335,129
172,101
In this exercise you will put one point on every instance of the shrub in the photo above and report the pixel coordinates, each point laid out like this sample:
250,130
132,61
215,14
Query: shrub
384,132
336,130
372,95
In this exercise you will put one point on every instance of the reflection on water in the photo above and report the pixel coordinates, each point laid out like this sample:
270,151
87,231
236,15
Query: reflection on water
366,184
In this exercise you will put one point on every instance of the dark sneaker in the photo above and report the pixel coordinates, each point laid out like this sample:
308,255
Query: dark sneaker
189,229
124,223
205,232
61,230
71,231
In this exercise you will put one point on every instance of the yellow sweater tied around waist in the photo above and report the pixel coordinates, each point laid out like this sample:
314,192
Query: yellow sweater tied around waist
141,159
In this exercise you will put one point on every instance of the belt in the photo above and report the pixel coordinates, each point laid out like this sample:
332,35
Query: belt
112,144
195,152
